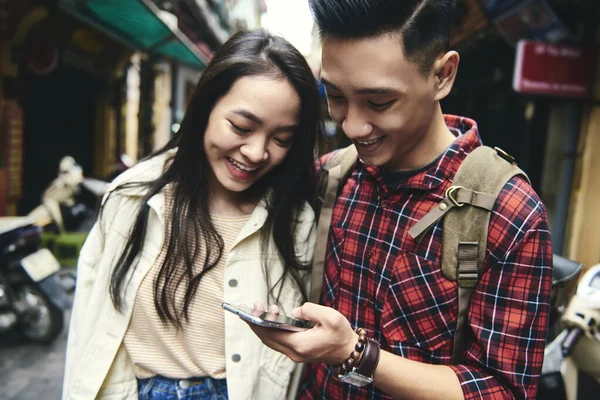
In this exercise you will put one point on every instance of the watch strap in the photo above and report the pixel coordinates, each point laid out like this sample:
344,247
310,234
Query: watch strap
369,360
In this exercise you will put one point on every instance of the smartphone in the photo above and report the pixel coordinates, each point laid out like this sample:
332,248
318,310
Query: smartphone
267,320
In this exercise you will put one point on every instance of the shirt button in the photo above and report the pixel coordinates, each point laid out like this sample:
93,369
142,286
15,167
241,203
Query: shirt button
385,204
233,283
369,254
184,384
236,358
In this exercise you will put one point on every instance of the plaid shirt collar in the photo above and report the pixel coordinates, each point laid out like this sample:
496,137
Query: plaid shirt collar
445,166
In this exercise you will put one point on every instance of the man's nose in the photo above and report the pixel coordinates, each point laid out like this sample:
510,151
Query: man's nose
355,126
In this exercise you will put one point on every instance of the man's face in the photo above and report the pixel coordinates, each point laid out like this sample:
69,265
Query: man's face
383,102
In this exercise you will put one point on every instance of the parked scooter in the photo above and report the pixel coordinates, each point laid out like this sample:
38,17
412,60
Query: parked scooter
32,298
571,368
123,164
65,207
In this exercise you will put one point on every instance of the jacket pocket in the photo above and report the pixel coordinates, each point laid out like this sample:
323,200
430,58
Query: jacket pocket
277,367
118,391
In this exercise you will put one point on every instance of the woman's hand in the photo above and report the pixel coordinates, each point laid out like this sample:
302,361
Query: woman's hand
259,308
331,341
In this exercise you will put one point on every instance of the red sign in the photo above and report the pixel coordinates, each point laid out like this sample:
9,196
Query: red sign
557,70
3,192
13,148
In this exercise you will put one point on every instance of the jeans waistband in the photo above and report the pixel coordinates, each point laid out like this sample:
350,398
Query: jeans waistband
199,388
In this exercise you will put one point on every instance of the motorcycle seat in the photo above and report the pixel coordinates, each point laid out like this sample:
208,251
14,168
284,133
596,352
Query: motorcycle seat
564,270
13,229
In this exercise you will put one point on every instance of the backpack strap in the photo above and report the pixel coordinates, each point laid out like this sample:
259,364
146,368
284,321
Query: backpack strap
332,176
477,184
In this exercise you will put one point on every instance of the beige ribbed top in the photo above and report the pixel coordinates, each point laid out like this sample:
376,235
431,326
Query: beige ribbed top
198,349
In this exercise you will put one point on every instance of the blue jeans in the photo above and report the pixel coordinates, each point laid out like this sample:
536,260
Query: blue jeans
161,388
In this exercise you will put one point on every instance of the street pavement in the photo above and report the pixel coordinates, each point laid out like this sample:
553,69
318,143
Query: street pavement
32,371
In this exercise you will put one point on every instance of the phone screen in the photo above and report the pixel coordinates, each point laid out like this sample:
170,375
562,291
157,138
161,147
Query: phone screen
268,320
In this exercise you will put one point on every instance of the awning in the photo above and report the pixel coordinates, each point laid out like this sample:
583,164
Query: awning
138,24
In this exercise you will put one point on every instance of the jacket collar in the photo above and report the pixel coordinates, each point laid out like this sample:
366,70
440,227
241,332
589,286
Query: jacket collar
145,171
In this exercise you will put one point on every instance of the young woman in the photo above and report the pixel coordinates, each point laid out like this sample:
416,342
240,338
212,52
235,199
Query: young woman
220,214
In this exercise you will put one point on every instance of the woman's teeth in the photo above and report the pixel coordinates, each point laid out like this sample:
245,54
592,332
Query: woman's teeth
369,142
241,167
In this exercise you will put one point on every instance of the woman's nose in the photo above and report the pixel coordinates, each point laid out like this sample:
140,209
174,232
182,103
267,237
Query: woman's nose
255,151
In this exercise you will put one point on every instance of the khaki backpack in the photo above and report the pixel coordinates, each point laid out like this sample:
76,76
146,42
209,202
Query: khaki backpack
466,209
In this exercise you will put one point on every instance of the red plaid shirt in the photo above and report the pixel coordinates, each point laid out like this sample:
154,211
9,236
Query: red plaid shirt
382,280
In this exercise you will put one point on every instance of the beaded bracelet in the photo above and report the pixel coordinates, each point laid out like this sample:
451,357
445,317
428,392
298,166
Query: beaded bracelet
356,354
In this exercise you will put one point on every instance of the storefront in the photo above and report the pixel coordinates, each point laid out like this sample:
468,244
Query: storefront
542,130
62,68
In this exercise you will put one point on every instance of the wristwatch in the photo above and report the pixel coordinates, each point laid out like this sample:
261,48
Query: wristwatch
362,374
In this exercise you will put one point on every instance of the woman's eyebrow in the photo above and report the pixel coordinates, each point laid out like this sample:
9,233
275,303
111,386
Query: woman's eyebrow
247,114
255,118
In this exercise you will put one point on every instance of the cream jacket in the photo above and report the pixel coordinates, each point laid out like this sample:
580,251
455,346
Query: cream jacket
97,363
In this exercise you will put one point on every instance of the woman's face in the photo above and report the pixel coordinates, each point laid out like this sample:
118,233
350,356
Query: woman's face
249,132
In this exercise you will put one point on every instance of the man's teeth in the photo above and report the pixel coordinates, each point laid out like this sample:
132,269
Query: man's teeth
241,167
369,142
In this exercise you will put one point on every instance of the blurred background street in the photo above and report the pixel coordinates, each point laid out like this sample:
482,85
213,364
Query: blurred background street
88,87
31,371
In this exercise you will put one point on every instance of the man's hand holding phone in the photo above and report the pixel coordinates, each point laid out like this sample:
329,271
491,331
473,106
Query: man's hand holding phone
268,319
330,341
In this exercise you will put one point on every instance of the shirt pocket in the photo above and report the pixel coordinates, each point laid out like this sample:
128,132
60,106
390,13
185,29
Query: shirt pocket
419,314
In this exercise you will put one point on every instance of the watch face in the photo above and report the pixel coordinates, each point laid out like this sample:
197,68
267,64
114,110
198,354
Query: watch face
355,379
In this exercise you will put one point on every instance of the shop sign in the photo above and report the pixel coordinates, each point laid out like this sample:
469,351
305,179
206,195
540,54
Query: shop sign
530,19
556,70
3,193
13,148
468,19
88,51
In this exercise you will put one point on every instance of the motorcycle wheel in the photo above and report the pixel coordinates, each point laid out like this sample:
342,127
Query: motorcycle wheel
42,322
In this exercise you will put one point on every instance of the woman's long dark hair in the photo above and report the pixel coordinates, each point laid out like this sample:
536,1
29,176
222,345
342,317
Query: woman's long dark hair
290,184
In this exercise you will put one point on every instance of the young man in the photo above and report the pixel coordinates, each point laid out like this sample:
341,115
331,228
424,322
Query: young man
386,66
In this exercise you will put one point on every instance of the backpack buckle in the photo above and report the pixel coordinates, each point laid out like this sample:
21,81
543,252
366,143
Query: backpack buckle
450,195
505,156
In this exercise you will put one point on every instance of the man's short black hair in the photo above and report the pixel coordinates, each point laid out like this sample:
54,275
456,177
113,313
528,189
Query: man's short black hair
424,25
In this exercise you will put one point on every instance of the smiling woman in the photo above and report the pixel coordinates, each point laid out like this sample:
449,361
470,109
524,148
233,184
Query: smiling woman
221,213
244,140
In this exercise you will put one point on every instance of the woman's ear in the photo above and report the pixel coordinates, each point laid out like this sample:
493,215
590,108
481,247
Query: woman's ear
445,69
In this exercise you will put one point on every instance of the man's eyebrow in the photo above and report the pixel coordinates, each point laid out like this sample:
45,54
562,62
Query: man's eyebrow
369,90
327,83
376,90
247,114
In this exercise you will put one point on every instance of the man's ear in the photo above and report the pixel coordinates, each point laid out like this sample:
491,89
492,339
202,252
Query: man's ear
445,69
